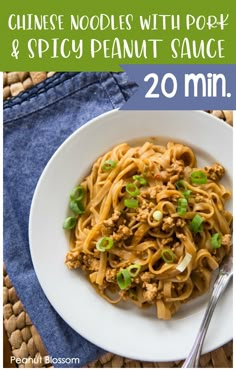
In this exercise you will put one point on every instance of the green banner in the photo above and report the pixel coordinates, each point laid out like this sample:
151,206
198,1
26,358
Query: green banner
90,35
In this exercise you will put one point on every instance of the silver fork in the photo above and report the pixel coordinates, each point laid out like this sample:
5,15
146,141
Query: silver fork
221,282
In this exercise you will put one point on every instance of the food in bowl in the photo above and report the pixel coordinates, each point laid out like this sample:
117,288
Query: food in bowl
149,226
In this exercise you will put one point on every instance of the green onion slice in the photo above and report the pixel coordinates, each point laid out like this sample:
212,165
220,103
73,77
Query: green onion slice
198,177
157,215
182,205
132,189
196,224
108,165
168,256
69,222
131,203
187,193
77,207
123,279
134,270
216,241
140,179
104,244
77,193
180,185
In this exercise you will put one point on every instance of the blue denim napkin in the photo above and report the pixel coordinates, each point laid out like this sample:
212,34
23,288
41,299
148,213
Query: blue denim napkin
35,125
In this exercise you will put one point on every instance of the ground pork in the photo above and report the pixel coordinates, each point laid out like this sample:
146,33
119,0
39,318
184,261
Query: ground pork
150,291
153,191
144,211
181,236
147,277
226,240
113,219
111,275
180,222
215,172
90,263
168,224
142,215
122,233
72,259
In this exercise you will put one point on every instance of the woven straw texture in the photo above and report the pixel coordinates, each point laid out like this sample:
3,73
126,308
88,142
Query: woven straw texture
22,335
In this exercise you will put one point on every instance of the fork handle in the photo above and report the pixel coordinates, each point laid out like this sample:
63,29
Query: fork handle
220,284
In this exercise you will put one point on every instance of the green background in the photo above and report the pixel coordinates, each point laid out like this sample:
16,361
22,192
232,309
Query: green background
88,7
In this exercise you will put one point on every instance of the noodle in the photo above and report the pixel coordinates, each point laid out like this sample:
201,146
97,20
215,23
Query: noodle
151,227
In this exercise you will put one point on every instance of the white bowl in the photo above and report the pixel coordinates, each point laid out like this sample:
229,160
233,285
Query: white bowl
122,329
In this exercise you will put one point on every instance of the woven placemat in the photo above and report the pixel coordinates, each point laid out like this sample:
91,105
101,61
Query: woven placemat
16,82
25,342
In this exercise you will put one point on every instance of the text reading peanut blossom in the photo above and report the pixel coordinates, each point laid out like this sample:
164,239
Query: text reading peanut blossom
47,360
152,44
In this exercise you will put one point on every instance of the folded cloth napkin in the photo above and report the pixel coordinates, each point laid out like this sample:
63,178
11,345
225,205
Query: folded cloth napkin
35,124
